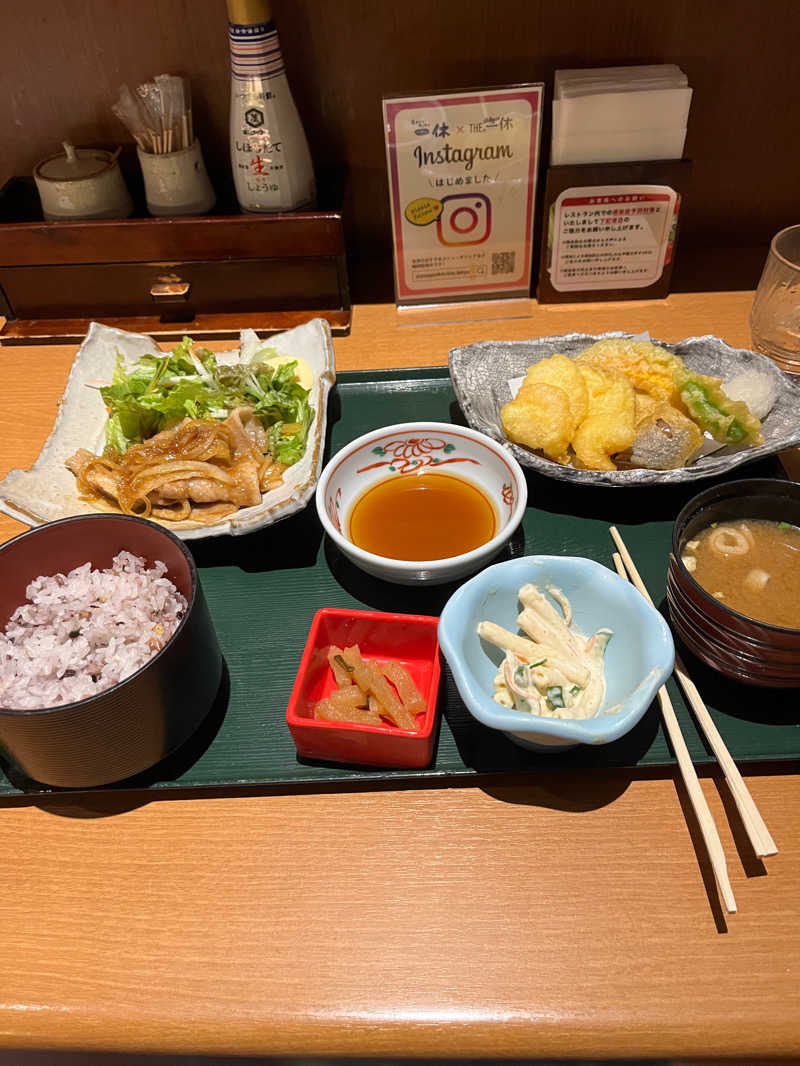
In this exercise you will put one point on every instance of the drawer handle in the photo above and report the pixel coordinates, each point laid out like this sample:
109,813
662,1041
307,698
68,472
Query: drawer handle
169,288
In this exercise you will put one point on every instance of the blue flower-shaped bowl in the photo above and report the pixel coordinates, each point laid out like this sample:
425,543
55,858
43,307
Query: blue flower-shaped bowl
639,658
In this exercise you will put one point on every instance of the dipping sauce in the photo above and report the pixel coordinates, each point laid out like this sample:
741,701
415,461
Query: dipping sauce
752,566
422,516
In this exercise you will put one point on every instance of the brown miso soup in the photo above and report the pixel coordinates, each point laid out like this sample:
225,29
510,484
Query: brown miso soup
752,566
422,516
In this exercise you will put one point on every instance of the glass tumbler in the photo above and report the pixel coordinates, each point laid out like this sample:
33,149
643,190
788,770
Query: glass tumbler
775,317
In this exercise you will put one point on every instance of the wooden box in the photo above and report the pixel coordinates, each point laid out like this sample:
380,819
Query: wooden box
210,275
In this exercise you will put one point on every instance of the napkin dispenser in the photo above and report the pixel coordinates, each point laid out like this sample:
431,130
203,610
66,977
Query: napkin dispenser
619,114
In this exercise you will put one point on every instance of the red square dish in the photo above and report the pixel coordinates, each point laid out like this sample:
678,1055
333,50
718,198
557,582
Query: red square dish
409,639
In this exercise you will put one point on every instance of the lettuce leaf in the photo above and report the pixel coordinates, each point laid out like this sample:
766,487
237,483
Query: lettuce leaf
159,391
286,446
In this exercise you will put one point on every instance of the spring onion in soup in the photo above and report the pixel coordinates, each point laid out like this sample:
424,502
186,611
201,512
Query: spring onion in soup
751,565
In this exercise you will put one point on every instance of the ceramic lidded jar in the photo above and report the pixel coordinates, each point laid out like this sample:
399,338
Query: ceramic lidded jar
82,183
176,183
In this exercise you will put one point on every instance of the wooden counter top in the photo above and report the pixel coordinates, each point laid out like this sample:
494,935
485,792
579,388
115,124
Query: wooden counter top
556,915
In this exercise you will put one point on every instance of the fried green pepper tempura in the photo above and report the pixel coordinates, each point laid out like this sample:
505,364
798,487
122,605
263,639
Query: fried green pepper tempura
728,421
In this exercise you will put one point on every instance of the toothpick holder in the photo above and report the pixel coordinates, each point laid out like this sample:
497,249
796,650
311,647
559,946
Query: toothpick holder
176,183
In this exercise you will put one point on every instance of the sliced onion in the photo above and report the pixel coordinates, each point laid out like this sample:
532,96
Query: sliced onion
179,471
179,513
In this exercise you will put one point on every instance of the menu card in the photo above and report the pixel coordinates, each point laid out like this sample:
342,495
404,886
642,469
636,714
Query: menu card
462,181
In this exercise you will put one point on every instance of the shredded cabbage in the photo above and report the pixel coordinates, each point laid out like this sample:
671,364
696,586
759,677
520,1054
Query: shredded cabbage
158,392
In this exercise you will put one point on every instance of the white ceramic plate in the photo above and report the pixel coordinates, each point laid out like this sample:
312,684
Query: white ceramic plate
47,491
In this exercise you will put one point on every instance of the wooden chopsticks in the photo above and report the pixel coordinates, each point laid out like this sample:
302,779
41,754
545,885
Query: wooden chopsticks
704,817
754,824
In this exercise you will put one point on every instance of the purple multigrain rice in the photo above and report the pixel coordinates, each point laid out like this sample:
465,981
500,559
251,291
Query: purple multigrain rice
82,632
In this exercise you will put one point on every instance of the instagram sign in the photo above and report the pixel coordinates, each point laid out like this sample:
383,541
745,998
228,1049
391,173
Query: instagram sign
466,218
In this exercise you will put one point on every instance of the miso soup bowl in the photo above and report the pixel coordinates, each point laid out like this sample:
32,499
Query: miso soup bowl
407,450
739,647
133,725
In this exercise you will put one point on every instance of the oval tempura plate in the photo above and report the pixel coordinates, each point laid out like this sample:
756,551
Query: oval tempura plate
481,373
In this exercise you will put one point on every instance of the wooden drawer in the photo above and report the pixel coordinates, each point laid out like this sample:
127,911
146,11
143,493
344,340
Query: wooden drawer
171,291
214,274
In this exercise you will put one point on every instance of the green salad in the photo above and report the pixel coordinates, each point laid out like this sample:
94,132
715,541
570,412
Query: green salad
158,392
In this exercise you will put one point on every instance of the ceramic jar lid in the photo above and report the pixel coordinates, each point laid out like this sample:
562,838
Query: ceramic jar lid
75,164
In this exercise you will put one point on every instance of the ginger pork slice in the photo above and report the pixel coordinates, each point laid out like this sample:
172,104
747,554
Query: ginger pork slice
99,479
198,489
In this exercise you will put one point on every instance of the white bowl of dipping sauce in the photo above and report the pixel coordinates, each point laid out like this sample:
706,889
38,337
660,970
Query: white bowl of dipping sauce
421,501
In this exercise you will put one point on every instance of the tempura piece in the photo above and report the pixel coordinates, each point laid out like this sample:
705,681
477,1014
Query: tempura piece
562,372
728,421
665,439
540,417
643,407
548,408
647,366
609,427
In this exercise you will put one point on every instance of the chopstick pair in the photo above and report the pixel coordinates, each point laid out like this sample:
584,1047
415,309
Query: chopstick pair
754,824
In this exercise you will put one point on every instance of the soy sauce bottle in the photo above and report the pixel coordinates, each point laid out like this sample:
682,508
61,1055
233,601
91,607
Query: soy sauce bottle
271,163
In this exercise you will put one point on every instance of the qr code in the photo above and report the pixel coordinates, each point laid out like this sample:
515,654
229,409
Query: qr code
503,262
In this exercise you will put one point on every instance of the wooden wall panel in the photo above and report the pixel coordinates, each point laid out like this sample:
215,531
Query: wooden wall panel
62,61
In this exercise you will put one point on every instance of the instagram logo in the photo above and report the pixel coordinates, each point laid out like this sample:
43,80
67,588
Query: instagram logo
466,218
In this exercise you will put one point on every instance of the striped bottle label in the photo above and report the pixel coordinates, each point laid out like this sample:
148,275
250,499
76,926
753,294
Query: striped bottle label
255,51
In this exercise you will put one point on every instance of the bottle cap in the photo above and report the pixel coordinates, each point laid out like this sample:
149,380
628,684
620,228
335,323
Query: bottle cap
249,12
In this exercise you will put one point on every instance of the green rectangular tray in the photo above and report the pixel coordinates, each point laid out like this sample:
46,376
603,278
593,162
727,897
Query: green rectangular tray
263,591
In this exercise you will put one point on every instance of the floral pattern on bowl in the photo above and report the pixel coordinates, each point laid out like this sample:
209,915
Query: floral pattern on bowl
404,451
413,453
